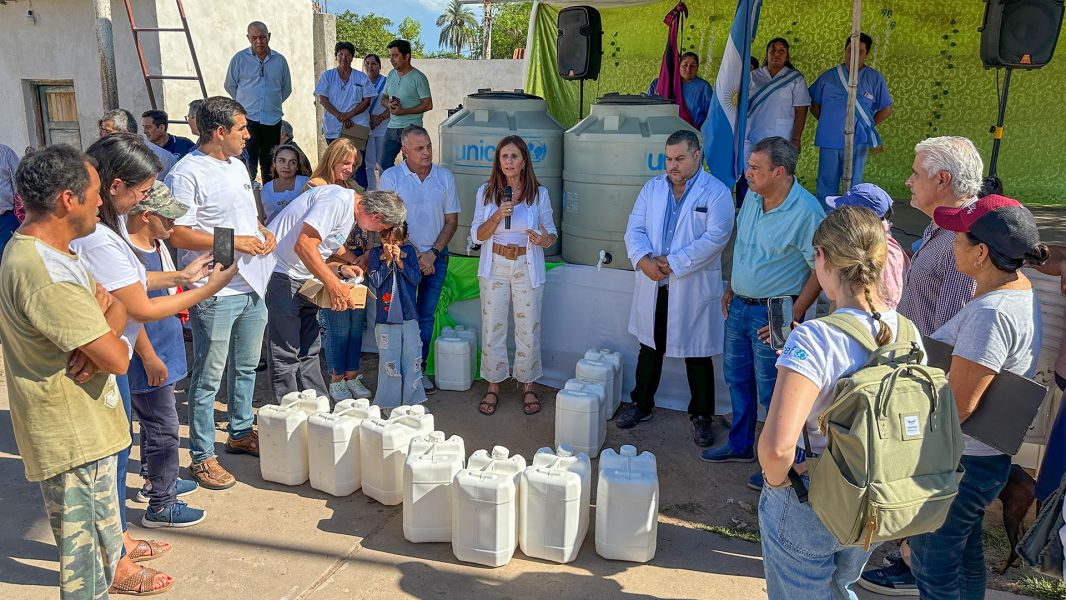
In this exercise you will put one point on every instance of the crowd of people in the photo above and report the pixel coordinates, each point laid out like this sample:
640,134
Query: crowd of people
94,306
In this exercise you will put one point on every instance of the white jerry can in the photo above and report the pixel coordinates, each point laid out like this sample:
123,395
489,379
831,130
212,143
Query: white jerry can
428,475
485,508
554,501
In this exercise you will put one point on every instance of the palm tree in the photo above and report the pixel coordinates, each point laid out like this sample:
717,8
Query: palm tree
458,28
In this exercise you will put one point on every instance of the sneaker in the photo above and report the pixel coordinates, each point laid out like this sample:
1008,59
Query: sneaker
339,390
892,559
755,481
356,387
896,580
211,475
702,432
248,444
726,454
427,383
184,487
177,514
630,417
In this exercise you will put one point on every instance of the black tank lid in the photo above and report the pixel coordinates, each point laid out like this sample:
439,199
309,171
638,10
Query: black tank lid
488,94
631,99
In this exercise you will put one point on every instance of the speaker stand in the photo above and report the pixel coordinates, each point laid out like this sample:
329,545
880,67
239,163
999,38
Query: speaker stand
581,100
992,183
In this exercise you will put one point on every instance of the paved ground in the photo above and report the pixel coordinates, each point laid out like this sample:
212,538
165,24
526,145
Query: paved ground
263,540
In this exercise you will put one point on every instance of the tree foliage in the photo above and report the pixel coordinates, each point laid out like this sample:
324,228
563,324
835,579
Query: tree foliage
510,23
458,27
411,30
372,33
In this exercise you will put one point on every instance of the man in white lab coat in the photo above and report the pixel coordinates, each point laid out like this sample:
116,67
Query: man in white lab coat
679,226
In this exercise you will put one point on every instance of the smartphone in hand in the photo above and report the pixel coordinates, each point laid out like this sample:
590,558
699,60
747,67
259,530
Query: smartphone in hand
779,311
223,246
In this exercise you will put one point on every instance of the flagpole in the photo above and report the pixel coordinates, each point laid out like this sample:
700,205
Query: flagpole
853,88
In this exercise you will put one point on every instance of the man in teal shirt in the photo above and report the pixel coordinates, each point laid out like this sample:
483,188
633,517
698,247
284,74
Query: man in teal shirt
407,97
772,256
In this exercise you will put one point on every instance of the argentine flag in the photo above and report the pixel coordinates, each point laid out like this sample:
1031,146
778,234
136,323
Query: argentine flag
725,128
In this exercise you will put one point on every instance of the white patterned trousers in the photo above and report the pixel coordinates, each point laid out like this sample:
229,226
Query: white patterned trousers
509,284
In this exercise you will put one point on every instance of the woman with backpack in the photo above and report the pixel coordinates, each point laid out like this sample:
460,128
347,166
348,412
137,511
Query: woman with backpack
801,558
999,329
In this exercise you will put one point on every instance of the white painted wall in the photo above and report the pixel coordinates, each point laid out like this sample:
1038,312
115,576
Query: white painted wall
62,46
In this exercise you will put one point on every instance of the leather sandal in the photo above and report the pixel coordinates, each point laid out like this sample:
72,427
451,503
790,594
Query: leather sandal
486,407
533,407
147,550
141,583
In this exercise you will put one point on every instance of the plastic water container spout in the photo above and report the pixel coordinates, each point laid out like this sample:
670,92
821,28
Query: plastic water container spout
471,245
605,259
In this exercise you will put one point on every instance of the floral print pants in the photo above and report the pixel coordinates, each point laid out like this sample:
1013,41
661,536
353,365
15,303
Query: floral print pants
509,284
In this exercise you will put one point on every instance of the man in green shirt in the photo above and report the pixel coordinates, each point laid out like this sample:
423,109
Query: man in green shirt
60,334
407,97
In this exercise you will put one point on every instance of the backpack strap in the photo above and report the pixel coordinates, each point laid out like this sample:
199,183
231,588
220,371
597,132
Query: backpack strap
854,329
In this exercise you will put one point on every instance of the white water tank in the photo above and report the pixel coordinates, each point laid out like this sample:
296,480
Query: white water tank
468,141
627,505
485,508
554,501
333,446
609,156
428,475
383,445
283,444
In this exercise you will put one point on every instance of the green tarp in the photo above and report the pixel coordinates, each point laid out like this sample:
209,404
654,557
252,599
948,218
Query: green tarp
928,52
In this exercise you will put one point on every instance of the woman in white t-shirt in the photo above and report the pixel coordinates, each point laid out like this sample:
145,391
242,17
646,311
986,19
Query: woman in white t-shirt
379,122
799,553
288,180
128,171
513,233
998,330
344,94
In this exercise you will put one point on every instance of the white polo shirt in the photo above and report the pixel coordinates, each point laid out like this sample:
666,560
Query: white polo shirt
329,209
427,201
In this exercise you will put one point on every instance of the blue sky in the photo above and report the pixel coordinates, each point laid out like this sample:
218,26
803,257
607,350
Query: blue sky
423,11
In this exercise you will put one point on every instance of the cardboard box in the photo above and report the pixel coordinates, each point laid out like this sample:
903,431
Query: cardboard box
314,291
358,134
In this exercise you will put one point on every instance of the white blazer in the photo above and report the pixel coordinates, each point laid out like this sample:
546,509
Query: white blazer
695,326
542,208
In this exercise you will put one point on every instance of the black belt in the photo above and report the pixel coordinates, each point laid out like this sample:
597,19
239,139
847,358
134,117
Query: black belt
758,301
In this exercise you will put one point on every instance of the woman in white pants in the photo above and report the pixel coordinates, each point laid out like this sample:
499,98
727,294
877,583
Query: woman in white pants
513,223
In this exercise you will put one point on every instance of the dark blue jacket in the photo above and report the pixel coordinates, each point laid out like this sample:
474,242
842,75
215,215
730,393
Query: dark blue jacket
380,280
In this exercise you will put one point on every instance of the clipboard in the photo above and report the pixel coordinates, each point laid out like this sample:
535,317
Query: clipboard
1007,409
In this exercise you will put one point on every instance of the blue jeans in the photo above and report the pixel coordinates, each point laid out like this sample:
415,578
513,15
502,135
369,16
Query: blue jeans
949,564
8,224
750,371
123,456
158,413
801,559
831,169
399,365
227,331
342,340
391,147
426,300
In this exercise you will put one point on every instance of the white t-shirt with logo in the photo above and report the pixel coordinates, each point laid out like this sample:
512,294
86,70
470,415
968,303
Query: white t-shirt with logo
825,354
329,209
114,265
218,194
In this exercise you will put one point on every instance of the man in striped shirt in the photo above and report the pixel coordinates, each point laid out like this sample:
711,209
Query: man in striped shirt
946,172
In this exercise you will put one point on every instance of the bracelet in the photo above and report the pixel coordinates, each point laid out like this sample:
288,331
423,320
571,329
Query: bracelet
766,482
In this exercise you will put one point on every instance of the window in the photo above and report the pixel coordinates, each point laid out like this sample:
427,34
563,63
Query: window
57,112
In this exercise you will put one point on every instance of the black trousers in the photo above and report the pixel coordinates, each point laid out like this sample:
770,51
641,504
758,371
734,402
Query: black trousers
259,147
700,369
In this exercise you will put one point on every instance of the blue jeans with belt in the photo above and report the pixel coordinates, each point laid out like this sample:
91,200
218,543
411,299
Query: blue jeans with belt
750,366
949,563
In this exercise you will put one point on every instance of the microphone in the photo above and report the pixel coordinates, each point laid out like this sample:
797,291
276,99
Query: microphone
507,198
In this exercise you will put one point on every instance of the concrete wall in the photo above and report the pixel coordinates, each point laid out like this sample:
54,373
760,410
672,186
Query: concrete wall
62,46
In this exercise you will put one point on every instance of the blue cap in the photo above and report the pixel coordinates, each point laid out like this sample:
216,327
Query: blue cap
866,195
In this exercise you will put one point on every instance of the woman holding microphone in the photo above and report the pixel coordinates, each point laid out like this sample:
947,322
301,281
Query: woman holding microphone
513,223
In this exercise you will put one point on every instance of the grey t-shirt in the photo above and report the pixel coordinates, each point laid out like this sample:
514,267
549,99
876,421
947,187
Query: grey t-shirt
999,330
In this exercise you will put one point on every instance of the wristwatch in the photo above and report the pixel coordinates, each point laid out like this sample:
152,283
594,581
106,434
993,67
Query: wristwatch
434,250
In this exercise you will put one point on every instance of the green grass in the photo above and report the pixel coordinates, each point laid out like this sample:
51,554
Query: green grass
751,536
1041,587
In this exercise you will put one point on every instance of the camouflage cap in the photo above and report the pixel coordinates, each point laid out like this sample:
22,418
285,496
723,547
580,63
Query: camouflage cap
162,202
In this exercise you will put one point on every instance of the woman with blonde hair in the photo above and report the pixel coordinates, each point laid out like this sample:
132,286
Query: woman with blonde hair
337,165
799,554
513,230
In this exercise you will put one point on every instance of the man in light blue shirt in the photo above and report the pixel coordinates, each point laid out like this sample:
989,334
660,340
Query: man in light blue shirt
772,256
829,104
258,78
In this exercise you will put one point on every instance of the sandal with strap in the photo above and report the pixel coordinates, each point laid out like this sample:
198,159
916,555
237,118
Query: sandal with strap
486,407
147,550
141,583
532,407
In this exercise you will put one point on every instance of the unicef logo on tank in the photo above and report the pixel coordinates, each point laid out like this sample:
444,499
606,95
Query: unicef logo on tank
483,152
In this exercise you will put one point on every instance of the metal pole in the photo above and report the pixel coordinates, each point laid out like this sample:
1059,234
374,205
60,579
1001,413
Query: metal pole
105,44
997,131
853,88
192,49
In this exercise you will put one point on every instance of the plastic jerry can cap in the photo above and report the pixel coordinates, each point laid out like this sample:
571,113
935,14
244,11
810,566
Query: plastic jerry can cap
417,410
362,403
436,436
628,450
500,453
564,451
